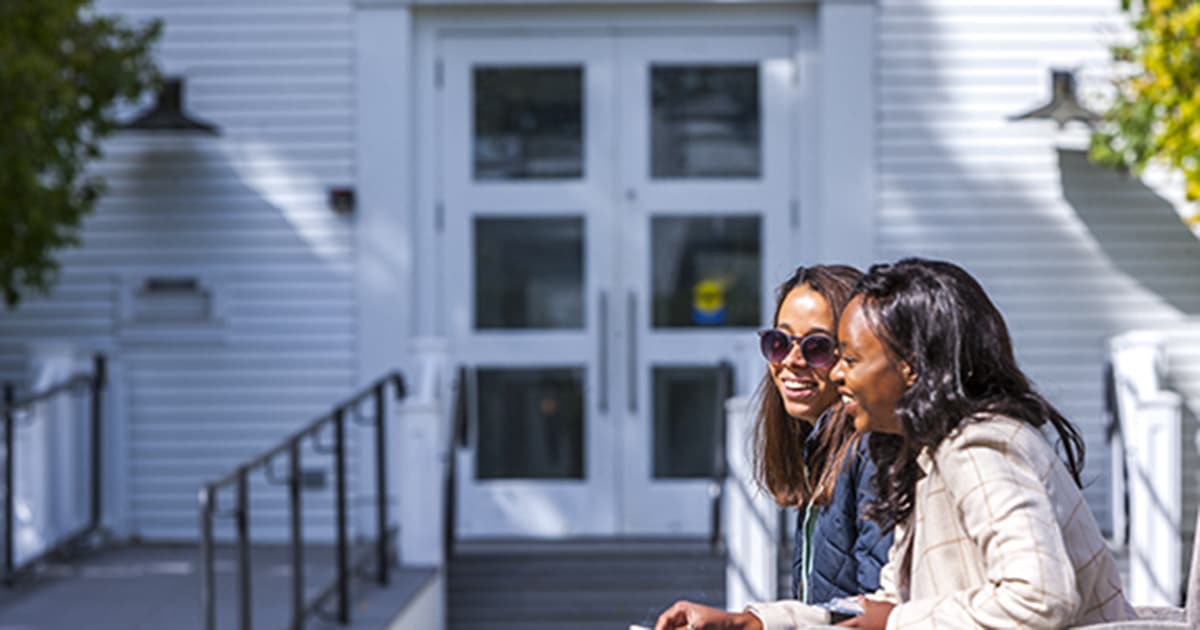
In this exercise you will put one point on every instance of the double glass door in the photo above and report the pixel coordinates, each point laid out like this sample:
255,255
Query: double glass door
616,211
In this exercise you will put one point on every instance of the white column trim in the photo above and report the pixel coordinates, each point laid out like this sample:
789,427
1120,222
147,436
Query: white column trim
384,185
845,119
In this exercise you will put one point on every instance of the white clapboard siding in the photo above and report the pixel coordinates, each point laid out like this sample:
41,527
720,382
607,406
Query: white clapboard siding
1071,254
245,213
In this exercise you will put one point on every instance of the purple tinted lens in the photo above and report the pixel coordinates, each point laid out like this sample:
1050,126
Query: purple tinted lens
817,350
774,345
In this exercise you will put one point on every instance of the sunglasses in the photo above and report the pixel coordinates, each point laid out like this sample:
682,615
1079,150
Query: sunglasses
818,349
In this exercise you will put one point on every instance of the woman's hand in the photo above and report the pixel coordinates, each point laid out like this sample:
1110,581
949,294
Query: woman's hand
874,617
688,615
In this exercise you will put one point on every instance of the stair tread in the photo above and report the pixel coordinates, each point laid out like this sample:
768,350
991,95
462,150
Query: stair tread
565,586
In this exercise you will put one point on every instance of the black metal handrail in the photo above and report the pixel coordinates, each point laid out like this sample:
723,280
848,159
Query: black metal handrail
457,438
291,446
11,407
720,462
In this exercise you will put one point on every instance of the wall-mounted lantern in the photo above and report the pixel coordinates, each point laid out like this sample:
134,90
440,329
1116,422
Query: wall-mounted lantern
1064,105
167,113
341,199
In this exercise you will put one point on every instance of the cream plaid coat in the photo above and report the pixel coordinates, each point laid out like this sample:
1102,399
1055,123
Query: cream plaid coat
1000,537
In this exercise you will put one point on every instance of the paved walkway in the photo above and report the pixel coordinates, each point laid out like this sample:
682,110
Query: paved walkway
154,587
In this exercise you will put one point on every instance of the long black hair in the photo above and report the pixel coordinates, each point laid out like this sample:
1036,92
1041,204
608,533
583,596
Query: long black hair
937,318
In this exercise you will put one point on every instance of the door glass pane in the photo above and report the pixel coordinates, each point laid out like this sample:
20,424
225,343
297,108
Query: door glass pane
529,272
686,421
705,271
704,121
530,423
528,122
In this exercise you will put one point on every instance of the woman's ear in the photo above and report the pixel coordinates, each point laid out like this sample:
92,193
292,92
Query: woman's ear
909,374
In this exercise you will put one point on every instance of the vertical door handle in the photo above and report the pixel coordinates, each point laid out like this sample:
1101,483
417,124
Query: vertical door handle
631,335
602,337
462,402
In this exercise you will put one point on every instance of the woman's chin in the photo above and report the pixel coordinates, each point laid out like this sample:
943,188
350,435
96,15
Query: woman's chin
806,412
803,415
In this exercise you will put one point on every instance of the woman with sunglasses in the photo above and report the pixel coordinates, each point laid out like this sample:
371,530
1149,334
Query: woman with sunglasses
991,527
806,455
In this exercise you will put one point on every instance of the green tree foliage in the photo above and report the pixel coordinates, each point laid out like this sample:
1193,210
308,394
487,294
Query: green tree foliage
62,67
1155,116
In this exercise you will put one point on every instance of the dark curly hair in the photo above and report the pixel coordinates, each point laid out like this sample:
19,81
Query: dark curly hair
937,318
779,465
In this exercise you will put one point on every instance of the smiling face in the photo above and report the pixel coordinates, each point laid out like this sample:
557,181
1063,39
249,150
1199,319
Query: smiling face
868,378
806,391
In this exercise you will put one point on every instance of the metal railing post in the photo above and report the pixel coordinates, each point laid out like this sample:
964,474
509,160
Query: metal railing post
381,543
9,479
458,439
245,607
208,580
343,561
296,535
720,465
97,387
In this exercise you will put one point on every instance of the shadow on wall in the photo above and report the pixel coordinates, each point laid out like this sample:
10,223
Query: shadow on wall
237,327
1139,231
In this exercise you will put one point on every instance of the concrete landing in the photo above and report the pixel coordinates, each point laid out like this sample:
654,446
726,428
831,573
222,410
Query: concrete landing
153,587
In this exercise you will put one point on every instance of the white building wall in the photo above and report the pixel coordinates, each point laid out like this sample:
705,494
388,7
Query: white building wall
1070,253
245,213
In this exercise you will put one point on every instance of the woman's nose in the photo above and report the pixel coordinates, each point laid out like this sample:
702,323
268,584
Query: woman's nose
836,373
794,355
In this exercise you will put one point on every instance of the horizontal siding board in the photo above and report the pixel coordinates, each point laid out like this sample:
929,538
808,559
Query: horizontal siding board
275,31
128,160
247,393
136,202
176,357
916,76
285,241
899,23
163,183
1013,7
199,425
191,214
133,261
982,224
198,230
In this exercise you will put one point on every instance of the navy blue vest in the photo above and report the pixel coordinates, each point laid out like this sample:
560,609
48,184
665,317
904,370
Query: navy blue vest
848,551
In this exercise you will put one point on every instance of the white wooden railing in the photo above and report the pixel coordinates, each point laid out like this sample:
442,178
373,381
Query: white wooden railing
1149,445
420,474
422,445
751,518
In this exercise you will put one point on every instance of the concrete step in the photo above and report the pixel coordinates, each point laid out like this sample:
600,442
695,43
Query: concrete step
578,585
